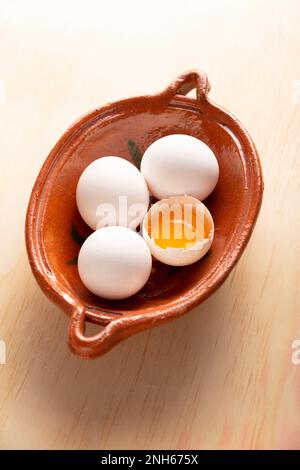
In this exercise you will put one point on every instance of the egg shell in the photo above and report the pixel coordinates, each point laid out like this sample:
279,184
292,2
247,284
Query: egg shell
180,164
179,256
112,191
114,262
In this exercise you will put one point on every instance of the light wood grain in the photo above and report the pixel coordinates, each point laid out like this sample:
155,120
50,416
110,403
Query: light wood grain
221,376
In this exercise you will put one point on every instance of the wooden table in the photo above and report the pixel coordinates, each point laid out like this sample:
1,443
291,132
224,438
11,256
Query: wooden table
222,376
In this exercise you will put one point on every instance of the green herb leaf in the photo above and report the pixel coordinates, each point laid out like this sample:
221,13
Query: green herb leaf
79,239
174,270
135,153
152,199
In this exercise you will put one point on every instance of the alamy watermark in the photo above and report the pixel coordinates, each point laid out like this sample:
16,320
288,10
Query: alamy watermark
295,358
295,94
2,352
178,220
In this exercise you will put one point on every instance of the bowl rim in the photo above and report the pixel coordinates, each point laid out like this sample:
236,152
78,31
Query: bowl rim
71,303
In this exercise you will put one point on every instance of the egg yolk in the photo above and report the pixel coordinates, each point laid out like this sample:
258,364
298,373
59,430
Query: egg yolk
179,233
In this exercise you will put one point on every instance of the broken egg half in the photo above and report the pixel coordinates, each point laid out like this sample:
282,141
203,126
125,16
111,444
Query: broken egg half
178,230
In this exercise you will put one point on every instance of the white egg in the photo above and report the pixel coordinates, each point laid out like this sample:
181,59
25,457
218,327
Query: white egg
114,262
180,164
179,230
112,191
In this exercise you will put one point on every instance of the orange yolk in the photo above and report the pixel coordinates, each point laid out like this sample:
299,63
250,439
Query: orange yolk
180,233
177,236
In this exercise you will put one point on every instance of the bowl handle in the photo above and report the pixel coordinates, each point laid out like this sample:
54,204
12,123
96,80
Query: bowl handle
114,331
186,82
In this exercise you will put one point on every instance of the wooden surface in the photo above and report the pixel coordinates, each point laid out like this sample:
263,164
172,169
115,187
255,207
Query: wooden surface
222,376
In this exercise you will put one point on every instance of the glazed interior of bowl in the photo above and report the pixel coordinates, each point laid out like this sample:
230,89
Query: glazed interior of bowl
126,131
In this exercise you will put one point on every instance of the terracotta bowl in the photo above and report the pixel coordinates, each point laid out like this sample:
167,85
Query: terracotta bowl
55,231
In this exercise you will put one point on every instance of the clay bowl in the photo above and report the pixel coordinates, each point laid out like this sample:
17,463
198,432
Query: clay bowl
55,231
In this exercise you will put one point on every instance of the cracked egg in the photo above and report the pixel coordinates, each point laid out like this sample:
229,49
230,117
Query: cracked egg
179,230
